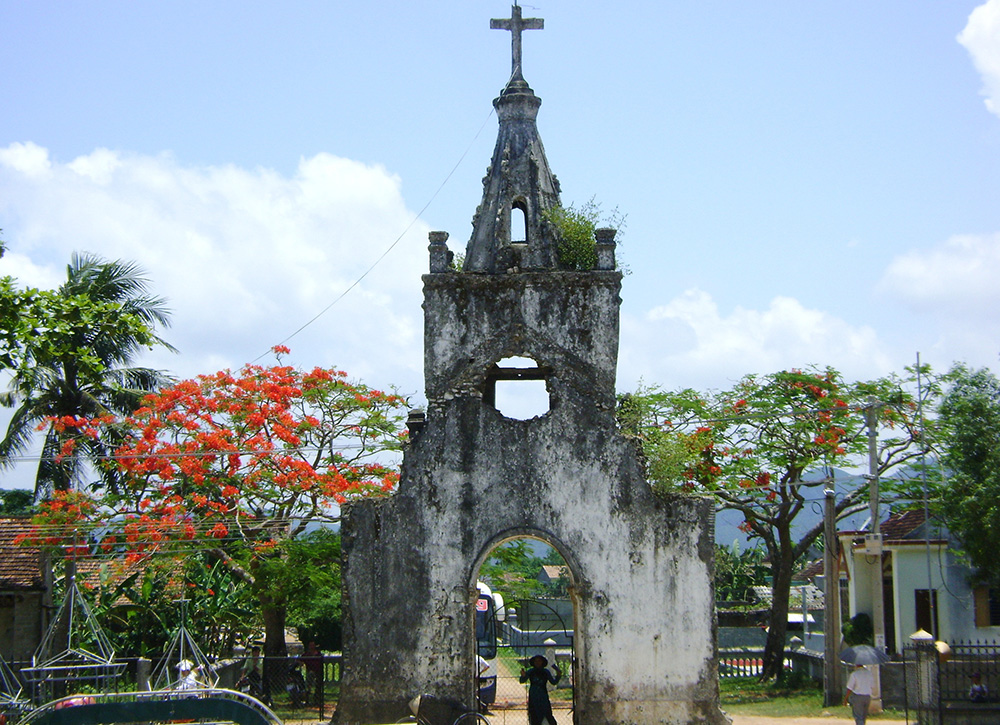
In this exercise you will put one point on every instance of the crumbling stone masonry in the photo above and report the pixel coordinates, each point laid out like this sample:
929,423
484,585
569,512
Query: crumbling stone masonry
640,566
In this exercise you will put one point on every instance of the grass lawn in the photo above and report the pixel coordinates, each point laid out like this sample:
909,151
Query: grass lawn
746,696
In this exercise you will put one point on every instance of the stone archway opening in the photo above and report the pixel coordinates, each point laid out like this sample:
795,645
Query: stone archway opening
524,608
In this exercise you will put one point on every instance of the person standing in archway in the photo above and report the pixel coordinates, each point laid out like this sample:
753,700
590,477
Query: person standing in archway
539,677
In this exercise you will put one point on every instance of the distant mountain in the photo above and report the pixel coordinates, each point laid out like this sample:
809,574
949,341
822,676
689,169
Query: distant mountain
727,521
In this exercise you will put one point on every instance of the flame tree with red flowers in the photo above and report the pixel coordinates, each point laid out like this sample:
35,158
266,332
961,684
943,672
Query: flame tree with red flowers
751,448
237,465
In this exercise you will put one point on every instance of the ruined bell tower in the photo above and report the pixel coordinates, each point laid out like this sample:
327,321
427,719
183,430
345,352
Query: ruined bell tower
640,566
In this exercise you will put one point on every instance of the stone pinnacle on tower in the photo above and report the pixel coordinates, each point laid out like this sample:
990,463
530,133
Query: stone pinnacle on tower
518,182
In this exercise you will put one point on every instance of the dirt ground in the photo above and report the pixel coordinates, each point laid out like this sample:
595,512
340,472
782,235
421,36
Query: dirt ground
757,720
519,717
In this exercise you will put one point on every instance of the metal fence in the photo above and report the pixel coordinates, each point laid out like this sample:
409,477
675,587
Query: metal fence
971,662
960,685
296,688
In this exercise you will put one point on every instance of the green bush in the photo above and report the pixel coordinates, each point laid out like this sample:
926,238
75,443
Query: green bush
575,227
858,630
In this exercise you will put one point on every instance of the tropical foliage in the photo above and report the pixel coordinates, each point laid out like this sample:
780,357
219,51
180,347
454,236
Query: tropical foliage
239,466
16,502
311,583
141,604
71,353
970,497
514,570
738,571
751,448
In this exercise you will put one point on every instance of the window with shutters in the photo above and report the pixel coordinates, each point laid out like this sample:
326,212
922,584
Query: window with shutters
987,607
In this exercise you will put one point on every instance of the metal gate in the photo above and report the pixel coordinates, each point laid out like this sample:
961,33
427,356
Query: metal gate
958,685
534,627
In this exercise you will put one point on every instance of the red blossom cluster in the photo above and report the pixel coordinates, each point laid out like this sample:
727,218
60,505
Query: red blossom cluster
62,522
204,457
766,427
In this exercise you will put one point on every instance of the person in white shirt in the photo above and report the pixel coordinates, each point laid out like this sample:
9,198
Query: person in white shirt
859,693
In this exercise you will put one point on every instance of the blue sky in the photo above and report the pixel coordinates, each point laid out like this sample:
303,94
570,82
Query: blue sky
804,183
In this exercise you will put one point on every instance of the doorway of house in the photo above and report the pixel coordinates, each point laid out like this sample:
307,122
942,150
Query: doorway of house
528,583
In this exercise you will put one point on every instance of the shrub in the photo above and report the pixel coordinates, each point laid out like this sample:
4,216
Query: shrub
575,227
859,630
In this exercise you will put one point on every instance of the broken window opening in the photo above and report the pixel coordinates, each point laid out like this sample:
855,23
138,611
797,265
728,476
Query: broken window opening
517,388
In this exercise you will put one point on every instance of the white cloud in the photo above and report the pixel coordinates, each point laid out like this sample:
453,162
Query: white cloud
27,158
244,257
956,279
981,37
98,166
688,342
29,274
953,288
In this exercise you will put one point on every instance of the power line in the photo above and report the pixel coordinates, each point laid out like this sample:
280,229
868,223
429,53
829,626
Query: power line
398,239
220,453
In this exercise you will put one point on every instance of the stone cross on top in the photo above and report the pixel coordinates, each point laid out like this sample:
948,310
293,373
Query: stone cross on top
515,24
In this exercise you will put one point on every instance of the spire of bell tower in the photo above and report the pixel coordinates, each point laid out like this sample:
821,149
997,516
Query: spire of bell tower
519,185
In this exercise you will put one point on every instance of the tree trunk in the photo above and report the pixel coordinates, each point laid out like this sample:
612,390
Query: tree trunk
274,629
774,649
275,652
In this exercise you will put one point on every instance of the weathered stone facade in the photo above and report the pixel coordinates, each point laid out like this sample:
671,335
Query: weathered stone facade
640,566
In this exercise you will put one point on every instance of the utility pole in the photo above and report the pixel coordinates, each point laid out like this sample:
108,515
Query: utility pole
931,598
873,547
831,600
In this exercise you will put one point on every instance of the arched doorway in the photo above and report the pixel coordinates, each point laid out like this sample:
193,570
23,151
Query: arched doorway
524,608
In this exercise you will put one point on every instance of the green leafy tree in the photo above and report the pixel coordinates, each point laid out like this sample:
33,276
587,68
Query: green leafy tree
737,572
142,601
13,307
132,605
858,630
223,610
16,502
512,569
969,417
312,565
71,352
751,447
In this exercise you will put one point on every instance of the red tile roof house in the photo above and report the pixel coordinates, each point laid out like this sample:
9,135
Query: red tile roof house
25,593
926,586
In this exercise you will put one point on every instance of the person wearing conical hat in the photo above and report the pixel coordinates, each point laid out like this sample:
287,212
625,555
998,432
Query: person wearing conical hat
539,677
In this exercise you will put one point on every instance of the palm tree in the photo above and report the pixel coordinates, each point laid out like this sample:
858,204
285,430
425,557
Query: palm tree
78,363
